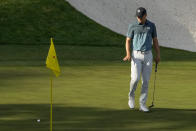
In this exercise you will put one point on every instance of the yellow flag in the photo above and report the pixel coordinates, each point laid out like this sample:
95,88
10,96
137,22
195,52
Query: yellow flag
52,61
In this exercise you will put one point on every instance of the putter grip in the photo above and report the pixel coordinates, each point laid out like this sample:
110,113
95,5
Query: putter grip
156,67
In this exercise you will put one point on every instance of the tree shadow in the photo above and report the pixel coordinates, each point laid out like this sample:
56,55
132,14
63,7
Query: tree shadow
23,117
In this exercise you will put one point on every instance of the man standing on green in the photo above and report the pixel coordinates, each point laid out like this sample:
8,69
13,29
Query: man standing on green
141,35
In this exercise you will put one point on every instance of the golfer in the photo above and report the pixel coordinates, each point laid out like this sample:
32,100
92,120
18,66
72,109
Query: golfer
141,35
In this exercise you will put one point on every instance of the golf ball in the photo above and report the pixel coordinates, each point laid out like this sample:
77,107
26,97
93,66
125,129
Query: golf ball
38,120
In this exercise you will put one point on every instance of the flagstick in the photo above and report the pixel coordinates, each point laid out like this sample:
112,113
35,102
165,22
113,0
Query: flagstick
51,105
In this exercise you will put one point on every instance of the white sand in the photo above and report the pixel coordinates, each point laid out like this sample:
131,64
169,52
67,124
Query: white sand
175,19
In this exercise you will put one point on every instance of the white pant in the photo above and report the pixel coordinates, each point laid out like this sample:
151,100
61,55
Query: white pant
141,64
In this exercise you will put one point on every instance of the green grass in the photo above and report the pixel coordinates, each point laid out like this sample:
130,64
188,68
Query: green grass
94,97
79,55
92,91
33,22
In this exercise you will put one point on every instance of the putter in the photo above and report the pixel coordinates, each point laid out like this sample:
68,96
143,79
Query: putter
154,87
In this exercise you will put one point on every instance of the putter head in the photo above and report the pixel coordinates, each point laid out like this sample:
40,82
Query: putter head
151,105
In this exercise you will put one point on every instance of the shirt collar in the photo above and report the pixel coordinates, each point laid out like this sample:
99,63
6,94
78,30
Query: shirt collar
144,24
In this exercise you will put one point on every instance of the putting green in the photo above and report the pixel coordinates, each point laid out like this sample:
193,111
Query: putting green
94,97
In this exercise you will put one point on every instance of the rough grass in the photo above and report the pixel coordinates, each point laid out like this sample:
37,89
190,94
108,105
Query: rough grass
35,21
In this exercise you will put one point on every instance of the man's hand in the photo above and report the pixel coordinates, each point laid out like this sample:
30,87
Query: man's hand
157,50
127,58
157,59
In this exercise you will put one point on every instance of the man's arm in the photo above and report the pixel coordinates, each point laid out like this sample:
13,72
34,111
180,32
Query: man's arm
128,56
157,50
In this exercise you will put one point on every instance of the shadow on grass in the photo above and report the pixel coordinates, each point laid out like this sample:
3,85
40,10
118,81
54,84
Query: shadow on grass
35,55
24,118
